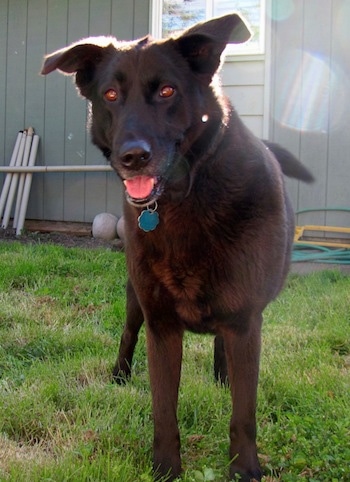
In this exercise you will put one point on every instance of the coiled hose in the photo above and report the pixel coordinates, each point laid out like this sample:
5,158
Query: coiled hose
320,254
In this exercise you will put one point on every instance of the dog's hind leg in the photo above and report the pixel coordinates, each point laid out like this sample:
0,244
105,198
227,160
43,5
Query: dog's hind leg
134,320
164,349
242,355
220,365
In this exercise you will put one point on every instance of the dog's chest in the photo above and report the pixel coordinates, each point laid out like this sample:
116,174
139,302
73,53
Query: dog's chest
186,285
177,262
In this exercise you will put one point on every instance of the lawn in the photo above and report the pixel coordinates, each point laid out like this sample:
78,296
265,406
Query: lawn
61,418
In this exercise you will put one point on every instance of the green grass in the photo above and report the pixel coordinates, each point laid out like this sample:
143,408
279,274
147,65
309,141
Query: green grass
61,418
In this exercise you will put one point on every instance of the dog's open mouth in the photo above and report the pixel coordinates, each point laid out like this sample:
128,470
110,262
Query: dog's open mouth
142,190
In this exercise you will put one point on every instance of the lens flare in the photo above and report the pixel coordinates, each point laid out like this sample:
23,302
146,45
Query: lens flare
310,91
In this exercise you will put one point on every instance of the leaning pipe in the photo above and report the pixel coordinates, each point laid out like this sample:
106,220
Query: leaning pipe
27,168
27,186
8,178
22,176
14,181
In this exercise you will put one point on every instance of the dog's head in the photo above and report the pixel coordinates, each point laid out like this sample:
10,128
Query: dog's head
152,102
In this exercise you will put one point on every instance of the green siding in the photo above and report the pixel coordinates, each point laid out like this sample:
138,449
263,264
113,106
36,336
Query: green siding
243,80
28,30
309,92
3,77
309,41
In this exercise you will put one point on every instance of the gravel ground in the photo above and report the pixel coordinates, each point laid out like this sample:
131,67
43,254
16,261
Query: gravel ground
66,240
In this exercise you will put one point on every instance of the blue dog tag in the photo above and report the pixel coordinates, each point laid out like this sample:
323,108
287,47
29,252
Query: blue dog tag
148,219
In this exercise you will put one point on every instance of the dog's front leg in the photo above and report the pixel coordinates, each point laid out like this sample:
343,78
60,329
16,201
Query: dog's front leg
242,356
164,348
134,320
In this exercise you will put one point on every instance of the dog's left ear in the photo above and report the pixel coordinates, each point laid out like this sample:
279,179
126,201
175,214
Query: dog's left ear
203,44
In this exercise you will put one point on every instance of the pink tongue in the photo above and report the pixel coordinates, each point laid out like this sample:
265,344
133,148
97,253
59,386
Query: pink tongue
139,187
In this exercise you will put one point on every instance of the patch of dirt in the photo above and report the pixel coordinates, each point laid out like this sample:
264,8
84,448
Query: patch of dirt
62,239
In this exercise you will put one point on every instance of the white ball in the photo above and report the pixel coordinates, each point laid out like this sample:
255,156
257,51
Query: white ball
104,226
121,228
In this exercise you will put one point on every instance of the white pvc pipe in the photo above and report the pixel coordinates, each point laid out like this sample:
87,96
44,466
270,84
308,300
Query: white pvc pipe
23,175
8,178
78,168
27,186
13,185
22,163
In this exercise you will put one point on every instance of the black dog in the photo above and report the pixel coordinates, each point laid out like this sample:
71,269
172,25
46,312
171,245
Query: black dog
208,224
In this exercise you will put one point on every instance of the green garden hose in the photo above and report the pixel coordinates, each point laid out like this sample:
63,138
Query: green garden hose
320,254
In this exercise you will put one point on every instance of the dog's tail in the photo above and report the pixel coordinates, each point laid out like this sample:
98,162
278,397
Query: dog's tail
290,165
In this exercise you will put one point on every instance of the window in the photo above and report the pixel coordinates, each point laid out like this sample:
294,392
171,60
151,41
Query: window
170,17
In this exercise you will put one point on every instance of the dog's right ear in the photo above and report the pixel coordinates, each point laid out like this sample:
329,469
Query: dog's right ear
80,59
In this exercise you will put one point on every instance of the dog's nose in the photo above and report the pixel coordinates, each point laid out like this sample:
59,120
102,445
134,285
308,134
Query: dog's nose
135,154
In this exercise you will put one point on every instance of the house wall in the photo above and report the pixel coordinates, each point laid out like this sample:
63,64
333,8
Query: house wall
28,30
296,94
31,28
309,114
243,81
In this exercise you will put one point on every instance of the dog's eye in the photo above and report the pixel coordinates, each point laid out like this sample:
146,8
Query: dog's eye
166,91
111,95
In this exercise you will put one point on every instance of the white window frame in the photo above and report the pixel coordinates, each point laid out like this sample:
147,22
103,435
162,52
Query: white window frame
231,49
